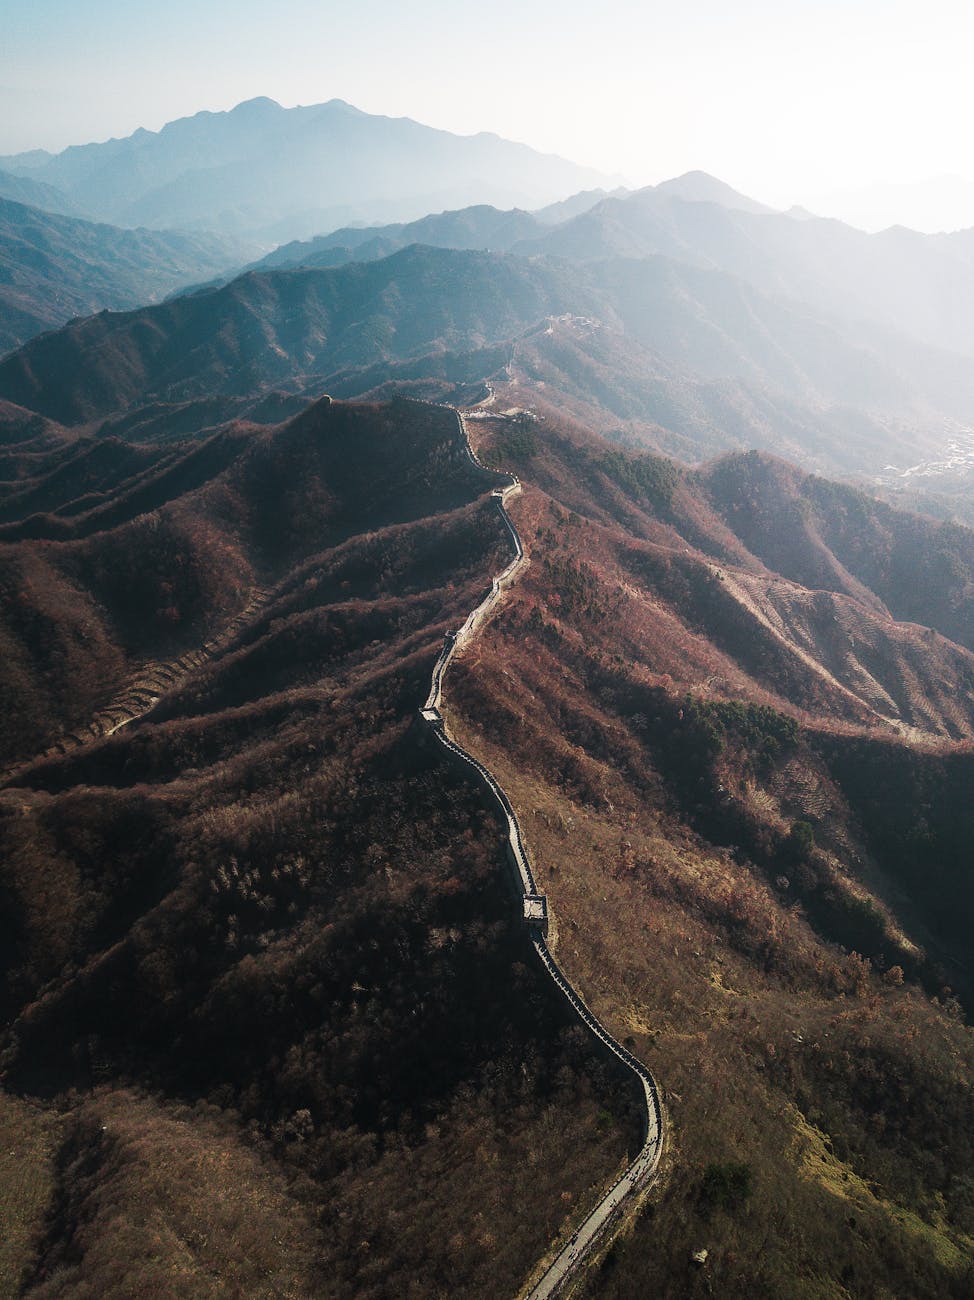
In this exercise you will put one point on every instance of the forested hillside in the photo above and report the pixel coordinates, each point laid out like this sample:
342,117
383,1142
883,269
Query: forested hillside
253,924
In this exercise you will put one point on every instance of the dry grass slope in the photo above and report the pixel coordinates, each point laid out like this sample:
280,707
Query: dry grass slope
787,985
28,1141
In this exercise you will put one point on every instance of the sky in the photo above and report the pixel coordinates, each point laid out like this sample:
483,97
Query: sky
828,103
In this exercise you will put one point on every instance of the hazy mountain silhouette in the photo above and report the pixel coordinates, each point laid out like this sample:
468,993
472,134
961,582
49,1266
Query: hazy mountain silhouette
700,187
53,268
913,283
563,210
289,173
479,227
918,284
36,194
486,227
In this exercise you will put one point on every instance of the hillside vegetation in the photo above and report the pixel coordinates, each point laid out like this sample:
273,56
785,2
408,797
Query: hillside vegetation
269,330
745,803
259,948
260,945
689,360
54,267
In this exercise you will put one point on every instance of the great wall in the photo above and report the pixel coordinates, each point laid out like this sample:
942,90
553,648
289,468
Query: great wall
639,1173
552,1275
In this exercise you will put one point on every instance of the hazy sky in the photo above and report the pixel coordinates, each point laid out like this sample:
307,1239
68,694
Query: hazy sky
789,100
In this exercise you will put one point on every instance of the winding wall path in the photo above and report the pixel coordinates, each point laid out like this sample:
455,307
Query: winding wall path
640,1172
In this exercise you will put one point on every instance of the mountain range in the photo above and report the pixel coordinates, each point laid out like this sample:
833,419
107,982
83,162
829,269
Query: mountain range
913,283
271,1020
272,174
670,336
259,940
35,194
55,267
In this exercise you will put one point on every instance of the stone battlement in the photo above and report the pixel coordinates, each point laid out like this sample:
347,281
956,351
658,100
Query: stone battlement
536,912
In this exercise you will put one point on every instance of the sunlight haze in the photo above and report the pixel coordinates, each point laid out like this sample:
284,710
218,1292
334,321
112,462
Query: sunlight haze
792,102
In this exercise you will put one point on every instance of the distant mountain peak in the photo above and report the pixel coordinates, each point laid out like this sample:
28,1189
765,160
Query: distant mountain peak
701,187
695,176
276,173
344,106
798,213
259,104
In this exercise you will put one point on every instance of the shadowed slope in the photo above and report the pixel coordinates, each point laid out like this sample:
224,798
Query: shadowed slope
169,560
266,895
53,268
264,329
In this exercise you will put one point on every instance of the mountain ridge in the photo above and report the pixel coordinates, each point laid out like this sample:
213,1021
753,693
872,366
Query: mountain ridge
270,869
432,310
54,267
274,173
915,283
